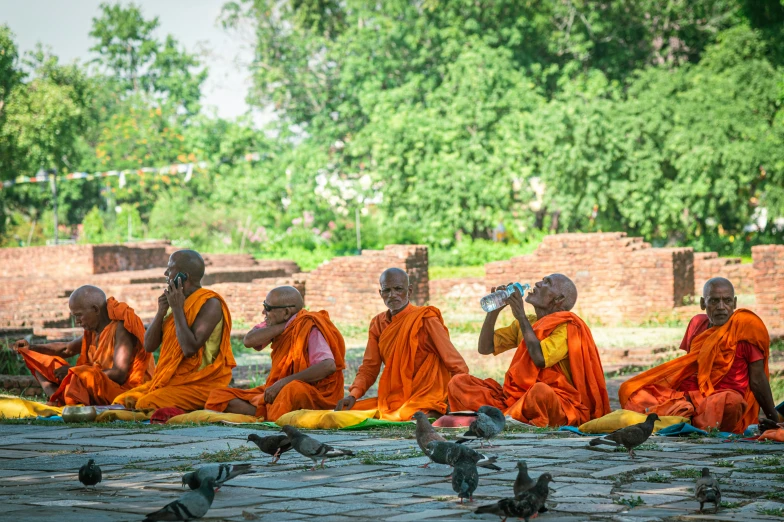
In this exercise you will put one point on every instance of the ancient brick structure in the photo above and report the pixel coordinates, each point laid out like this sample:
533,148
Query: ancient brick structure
620,279
347,287
769,284
709,264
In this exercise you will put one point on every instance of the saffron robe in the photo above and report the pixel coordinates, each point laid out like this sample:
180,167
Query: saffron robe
289,356
86,383
711,356
543,396
182,382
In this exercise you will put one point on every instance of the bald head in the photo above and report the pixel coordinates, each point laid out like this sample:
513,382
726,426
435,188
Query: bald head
286,296
717,283
567,288
395,274
87,296
189,262
88,308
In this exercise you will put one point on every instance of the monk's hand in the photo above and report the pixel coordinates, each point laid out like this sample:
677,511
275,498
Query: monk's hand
175,297
19,345
346,403
515,302
61,372
272,391
766,424
163,303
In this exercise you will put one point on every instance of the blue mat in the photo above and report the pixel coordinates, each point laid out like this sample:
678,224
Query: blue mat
684,429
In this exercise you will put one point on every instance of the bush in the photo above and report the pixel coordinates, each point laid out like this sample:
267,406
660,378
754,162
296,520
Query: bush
477,252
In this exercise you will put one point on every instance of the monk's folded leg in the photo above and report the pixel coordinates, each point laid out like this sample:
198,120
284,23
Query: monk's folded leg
234,400
467,392
539,406
723,409
87,385
660,400
42,367
298,395
185,397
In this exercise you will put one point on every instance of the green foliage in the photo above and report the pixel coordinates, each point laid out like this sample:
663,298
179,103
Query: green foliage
690,473
630,502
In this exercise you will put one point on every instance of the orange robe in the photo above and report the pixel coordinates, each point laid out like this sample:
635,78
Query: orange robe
543,396
418,359
290,356
179,382
86,383
710,357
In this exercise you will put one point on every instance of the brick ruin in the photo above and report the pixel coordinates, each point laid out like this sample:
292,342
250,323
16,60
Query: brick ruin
620,279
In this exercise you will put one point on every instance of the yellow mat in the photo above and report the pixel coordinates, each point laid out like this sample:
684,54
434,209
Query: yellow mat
621,418
16,408
212,416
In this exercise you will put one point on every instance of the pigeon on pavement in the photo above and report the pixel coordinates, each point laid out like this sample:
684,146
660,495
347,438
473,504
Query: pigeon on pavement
490,421
707,490
274,445
523,482
311,448
450,453
90,473
193,504
629,437
527,505
425,433
465,479
220,473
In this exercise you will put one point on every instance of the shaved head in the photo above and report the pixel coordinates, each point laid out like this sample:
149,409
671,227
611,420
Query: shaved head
286,296
567,288
87,296
716,283
395,274
189,262
395,289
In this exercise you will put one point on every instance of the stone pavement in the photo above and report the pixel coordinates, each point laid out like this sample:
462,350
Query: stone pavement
142,466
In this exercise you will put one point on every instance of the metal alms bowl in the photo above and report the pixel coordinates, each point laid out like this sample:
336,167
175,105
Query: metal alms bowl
79,414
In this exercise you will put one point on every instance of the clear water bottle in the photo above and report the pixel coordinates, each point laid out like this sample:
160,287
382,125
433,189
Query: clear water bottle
495,300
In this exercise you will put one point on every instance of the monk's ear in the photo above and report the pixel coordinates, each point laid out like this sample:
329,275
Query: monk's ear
702,303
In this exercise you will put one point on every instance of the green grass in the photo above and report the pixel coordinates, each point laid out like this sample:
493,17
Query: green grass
629,502
775,495
228,455
722,463
691,473
767,460
773,512
372,457
657,478
729,505
455,272
182,468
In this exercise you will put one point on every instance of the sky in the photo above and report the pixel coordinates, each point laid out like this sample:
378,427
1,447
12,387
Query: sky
63,26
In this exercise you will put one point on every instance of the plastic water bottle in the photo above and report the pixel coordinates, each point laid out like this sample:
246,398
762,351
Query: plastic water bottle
495,300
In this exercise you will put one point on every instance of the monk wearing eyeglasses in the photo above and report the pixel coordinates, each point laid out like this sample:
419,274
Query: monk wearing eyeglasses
308,357
413,344
722,379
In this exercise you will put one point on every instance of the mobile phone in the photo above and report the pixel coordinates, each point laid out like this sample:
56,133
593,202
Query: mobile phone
179,279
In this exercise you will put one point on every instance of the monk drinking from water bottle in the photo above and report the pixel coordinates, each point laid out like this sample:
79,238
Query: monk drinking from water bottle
419,359
555,378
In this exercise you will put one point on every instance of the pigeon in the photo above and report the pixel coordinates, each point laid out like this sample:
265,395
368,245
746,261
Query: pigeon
311,448
425,433
193,504
489,422
523,482
90,473
527,505
707,490
450,453
629,437
465,479
274,445
220,473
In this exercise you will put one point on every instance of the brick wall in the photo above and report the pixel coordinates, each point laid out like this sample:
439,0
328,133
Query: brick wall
347,287
245,299
708,265
769,284
619,279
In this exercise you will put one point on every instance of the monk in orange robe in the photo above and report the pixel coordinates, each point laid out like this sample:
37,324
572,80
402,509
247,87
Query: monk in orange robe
722,380
111,353
192,328
419,359
308,357
555,377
